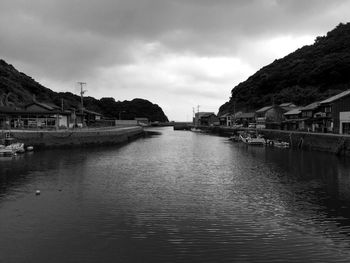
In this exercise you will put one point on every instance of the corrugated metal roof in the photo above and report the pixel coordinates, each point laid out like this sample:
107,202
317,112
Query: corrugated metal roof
264,109
311,106
288,104
225,115
336,97
293,112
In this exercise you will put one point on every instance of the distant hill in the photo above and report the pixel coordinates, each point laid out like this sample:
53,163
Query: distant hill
309,74
18,89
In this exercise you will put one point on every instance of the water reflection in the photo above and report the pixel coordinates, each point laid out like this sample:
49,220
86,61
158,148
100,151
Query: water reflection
175,197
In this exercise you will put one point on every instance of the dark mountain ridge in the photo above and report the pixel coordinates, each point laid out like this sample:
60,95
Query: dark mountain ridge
18,89
309,74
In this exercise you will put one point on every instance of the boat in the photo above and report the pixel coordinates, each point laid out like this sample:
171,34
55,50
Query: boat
196,129
4,151
10,144
16,147
252,139
279,143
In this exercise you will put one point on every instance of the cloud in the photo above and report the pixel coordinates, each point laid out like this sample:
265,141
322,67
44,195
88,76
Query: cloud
189,50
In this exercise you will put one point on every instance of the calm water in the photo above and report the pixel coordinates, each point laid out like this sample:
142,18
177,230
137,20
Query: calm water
175,197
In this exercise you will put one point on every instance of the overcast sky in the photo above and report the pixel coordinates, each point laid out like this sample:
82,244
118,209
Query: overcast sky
175,53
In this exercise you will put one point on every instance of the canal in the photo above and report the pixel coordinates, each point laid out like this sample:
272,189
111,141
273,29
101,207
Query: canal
177,196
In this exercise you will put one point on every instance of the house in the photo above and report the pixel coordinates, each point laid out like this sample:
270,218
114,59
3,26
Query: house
34,115
91,117
226,119
245,118
335,113
209,119
198,116
292,120
45,115
308,120
270,117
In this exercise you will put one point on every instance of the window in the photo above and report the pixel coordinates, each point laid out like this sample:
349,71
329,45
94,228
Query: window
346,128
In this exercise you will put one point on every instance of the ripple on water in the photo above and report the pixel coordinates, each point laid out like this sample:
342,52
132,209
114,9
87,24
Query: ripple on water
175,197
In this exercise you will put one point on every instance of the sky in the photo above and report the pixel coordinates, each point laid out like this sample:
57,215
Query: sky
176,53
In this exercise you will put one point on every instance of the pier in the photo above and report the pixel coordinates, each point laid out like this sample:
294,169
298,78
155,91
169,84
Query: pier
77,137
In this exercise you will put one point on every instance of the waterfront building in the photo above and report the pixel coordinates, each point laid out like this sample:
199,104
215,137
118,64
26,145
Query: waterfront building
309,120
270,117
199,115
34,115
245,118
226,119
209,119
293,120
45,116
335,113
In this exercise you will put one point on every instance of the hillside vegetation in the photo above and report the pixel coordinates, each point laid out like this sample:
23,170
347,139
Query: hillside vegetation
309,74
17,89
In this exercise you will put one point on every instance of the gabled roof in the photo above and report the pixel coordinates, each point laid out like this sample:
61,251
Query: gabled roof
293,112
200,114
263,109
42,105
311,106
52,105
336,97
288,104
207,114
96,113
225,115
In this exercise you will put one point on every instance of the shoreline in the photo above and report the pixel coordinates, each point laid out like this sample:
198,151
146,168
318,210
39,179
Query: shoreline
40,139
338,144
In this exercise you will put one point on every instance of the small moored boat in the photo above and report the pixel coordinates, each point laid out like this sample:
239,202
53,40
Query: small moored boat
252,139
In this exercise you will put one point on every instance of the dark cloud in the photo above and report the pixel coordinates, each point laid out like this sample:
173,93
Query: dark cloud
65,40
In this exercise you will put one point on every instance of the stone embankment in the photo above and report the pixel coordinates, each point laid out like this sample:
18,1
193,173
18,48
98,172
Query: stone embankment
333,143
77,137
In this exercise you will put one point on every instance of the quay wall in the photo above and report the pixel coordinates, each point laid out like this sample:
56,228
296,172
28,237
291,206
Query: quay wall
75,138
333,143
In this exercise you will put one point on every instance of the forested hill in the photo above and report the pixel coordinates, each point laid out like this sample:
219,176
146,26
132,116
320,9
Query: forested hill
17,89
309,74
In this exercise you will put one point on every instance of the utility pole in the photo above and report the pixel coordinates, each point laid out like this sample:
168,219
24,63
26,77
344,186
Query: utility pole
81,96
198,114
193,116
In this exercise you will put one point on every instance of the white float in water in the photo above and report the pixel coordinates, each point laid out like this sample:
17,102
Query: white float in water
30,148
37,192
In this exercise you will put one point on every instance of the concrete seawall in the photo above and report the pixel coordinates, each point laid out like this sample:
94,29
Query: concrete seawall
75,138
333,143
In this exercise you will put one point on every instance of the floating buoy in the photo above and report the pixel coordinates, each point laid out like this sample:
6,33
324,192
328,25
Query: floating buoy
30,148
37,192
